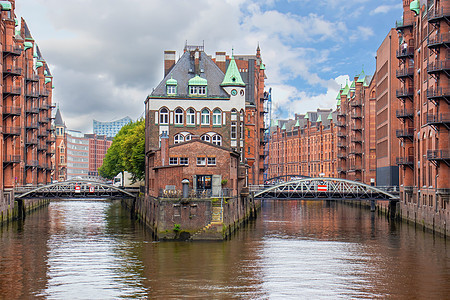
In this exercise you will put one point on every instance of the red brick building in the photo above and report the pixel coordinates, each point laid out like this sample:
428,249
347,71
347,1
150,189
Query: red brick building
424,157
26,107
217,99
304,146
98,146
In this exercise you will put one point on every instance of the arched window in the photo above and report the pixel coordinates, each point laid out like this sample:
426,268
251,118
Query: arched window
190,116
188,137
163,116
205,116
233,114
178,138
206,138
178,116
217,140
217,117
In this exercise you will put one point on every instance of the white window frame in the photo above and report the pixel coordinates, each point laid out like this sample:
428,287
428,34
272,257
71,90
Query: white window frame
201,161
205,116
171,90
217,117
178,138
233,133
211,161
163,116
179,116
217,140
190,116
173,161
184,161
206,138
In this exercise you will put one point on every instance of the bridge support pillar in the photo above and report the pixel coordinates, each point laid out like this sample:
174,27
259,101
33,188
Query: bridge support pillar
372,205
392,209
20,209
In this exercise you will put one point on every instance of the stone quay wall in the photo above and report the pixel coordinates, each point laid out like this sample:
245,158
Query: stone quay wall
193,218
13,209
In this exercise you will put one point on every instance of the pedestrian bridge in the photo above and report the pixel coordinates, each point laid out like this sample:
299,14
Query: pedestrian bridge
321,188
79,188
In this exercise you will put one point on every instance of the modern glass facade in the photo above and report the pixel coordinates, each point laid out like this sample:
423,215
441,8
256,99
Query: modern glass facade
110,129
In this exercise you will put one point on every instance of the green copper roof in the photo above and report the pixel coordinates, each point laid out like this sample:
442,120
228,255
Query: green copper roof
274,122
352,86
35,54
330,117
6,5
53,86
39,64
172,81
284,126
47,80
16,22
346,89
415,6
306,116
197,80
297,124
232,76
45,72
339,102
262,66
27,45
361,77
338,97
319,119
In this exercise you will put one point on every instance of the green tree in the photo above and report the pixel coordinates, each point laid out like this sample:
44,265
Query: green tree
127,152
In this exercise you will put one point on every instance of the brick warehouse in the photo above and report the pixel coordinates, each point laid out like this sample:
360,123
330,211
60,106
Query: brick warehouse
26,109
204,123
424,97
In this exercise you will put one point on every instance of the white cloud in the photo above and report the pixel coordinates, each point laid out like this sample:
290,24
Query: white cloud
383,9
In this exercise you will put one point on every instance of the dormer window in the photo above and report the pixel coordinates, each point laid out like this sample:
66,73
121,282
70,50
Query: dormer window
198,86
171,87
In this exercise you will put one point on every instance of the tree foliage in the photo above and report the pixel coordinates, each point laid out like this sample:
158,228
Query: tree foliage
127,152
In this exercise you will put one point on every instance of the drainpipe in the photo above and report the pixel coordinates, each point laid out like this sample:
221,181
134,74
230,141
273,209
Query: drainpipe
435,188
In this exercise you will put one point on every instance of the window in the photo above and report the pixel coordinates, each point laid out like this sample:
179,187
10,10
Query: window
241,131
190,117
205,117
173,160
211,161
217,117
178,116
171,90
233,130
164,116
178,138
206,138
184,161
201,161
217,140
61,150
61,159
197,90
188,137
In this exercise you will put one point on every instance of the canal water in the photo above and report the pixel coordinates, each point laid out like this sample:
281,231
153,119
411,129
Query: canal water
293,250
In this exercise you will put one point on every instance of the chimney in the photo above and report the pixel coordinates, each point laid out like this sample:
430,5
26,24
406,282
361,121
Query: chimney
197,62
169,61
221,59
164,149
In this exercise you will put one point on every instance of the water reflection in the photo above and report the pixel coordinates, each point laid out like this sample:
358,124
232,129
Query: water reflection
295,249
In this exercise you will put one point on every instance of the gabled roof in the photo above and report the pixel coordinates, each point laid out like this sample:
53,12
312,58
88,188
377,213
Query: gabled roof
346,89
232,76
58,118
27,31
361,77
183,71
206,143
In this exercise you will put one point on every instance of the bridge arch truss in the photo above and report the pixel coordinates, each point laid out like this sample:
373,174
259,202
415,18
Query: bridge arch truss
79,188
323,189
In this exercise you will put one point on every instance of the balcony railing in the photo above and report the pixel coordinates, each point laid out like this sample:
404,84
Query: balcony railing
439,39
434,15
341,170
403,93
51,140
437,119
31,125
341,113
11,130
355,167
11,90
340,124
13,70
342,135
11,159
405,161
12,110
12,49
356,139
31,141
356,115
356,103
437,155
42,132
32,77
342,155
438,66
31,163
33,94
405,72
400,24
43,120
342,145
32,110
44,92
357,127
405,53
404,113
405,133
435,93
42,147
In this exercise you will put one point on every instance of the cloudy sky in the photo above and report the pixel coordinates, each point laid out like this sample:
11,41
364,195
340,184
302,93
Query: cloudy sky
106,56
